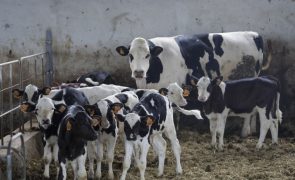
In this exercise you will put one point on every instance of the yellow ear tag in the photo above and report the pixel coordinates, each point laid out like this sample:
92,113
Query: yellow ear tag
69,126
185,93
24,107
149,121
116,109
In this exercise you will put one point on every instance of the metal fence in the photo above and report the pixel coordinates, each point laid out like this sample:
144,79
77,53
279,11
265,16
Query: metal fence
17,74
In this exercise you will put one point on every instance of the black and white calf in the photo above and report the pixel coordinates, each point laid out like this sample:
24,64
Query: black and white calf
145,124
49,113
159,61
104,109
95,78
240,97
73,133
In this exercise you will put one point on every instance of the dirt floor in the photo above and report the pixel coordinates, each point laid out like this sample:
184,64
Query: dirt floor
239,160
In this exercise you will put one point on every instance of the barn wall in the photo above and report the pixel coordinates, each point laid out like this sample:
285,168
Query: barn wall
86,33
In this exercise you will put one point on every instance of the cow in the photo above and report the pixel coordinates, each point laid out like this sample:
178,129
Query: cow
261,94
159,61
74,131
104,109
31,94
95,78
145,124
49,112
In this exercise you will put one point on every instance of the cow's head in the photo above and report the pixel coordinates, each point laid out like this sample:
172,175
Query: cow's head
45,110
78,123
30,96
175,94
140,53
205,87
133,122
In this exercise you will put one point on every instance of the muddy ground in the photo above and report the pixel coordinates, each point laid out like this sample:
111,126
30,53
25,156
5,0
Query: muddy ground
239,160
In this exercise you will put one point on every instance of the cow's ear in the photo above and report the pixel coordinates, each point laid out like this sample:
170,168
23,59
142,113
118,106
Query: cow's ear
45,90
60,108
17,93
163,91
148,120
186,90
90,109
122,50
217,80
116,107
155,51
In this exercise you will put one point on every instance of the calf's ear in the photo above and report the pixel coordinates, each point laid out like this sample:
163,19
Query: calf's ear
163,91
116,107
90,109
45,90
148,120
155,51
122,50
120,117
17,93
60,108
217,80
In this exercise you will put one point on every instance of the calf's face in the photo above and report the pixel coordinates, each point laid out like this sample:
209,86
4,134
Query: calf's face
175,94
204,89
44,111
139,56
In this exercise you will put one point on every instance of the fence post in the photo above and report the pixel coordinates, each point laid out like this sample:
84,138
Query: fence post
49,59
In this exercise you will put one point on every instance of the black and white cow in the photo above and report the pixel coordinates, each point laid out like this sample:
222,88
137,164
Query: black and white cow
159,61
31,94
145,124
95,78
241,97
73,133
49,112
105,109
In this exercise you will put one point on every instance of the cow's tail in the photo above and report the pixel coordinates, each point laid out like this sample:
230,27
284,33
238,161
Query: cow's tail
269,56
195,113
279,113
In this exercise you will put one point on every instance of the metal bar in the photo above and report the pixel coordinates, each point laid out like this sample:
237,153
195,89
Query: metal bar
4,89
10,99
1,107
11,110
9,150
22,126
9,62
30,56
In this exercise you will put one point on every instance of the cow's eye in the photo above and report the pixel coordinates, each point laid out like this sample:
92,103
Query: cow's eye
131,57
147,56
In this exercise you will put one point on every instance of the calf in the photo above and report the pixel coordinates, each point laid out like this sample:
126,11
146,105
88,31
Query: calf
74,132
105,109
49,113
95,78
145,124
240,97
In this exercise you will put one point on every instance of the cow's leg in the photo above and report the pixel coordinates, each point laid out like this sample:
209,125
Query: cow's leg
176,118
62,174
159,145
141,164
246,130
110,155
221,120
99,158
274,129
171,134
253,123
213,127
127,159
264,126
75,168
91,156
82,174
47,157
55,156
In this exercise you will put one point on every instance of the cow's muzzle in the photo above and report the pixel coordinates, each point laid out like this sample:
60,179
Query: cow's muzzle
138,73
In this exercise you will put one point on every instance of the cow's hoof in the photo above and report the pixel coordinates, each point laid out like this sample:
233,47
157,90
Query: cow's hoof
46,175
259,146
111,176
179,171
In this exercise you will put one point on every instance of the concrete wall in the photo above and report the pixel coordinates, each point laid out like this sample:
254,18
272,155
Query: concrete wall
86,33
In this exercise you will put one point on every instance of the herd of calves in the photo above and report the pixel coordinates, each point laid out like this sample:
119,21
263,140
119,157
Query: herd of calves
78,122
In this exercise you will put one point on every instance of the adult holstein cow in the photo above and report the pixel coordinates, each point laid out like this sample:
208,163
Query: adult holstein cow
241,97
159,61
